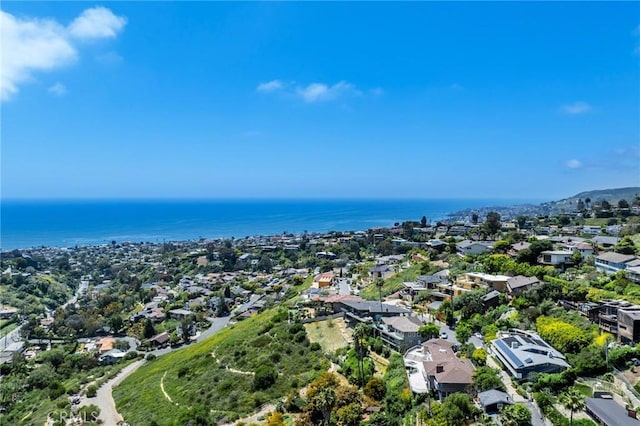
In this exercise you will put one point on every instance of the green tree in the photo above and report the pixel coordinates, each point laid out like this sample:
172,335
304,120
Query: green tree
350,415
479,357
264,377
623,204
456,409
580,205
515,415
492,223
474,218
487,378
463,332
429,331
375,389
573,401
325,399
149,330
423,222
626,246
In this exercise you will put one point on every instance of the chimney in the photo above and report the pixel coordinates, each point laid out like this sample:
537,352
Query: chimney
439,368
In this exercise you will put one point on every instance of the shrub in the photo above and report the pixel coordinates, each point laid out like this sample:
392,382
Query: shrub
92,391
150,357
264,377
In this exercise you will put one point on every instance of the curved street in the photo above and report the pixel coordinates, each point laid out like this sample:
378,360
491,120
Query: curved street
104,397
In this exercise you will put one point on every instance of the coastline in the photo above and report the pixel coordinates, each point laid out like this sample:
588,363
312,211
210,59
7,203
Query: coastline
70,223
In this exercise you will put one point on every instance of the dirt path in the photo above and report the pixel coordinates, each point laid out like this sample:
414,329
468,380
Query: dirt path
166,395
233,370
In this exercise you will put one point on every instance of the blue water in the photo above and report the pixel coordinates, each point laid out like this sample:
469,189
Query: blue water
69,223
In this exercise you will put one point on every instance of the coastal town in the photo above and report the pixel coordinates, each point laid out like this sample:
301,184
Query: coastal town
530,320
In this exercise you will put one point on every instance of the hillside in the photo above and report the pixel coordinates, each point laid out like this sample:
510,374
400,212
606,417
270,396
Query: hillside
225,377
612,195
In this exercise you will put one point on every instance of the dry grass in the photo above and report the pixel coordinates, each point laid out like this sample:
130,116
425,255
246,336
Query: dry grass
330,334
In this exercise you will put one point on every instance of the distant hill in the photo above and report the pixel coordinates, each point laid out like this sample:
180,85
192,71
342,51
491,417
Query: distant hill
552,207
611,195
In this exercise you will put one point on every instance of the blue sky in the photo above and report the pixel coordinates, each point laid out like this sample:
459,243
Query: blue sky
286,100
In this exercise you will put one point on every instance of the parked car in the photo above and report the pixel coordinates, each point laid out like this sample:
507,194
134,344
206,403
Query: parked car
444,335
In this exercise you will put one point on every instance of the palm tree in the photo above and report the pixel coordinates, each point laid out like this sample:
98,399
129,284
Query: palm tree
572,400
325,399
359,333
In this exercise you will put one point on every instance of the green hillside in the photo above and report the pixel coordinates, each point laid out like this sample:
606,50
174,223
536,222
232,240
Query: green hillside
228,376
611,195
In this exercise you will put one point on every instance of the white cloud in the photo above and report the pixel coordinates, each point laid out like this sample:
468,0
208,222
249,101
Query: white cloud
32,45
576,108
573,164
270,86
318,92
315,92
97,22
58,89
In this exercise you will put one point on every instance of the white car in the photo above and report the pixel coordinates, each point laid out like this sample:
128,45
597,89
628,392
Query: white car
444,335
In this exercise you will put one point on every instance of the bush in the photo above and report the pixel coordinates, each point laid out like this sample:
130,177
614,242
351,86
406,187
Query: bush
92,391
130,355
150,357
264,377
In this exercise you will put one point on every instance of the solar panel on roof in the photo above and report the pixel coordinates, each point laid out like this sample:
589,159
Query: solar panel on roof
507,351
527,340
540,343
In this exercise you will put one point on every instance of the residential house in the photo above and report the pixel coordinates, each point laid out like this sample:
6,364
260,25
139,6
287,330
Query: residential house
605,241
591,230
105,344
380,271
401,332
557,258
629,324
359,310
608,412
491,299
633,273
493,400
180,313
111,357
159,340
474,280
519,284
468,247
434,366
322,280
611,262
516,248
523,352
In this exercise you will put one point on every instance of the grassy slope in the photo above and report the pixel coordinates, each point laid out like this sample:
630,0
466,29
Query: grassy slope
195,378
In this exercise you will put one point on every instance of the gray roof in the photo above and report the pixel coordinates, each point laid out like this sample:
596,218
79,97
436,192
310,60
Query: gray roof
403,324
494,396
521,281
609,412
490,295
603,239
610,256
525,351
374,307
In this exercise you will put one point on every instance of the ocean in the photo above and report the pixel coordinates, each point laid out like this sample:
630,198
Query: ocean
27,224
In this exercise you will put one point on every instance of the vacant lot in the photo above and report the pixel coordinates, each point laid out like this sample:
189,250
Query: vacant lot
331,334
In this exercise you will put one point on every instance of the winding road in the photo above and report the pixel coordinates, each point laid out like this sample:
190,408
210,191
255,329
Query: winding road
104,397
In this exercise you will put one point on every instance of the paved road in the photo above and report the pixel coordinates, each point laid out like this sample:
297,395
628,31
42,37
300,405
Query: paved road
12,337
104,400
104,397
